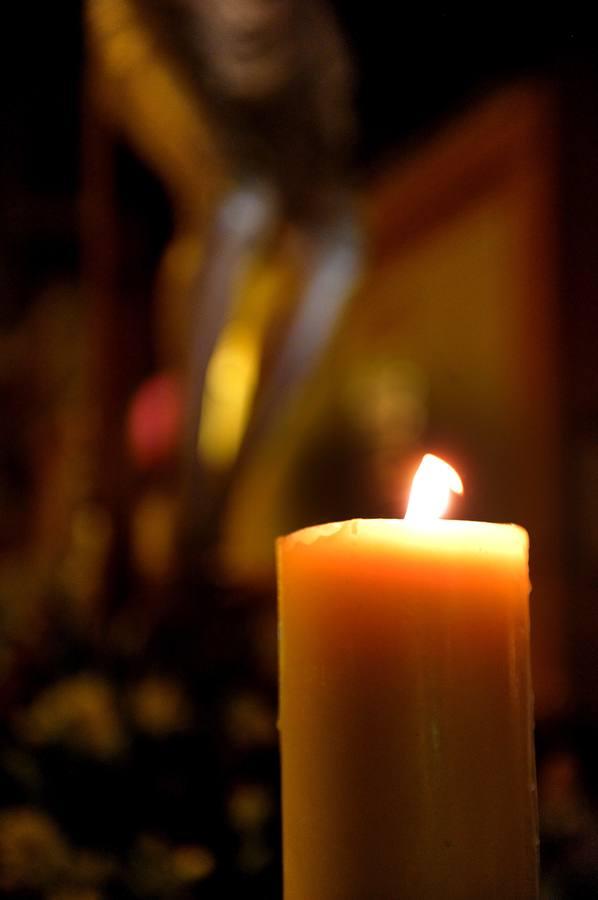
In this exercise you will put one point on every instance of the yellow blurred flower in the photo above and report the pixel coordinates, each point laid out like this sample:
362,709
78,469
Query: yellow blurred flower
80,712
33,852
192,863
157,869
249,806
251,722
159,706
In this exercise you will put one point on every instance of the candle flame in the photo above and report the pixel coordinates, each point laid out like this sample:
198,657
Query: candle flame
431,489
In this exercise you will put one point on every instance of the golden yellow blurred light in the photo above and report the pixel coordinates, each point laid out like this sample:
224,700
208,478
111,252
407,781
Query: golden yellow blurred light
233,373
432,485
230,386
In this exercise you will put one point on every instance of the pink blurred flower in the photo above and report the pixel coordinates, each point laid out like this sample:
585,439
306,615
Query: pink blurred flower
154,420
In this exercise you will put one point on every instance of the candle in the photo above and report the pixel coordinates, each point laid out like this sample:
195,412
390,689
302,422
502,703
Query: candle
406,708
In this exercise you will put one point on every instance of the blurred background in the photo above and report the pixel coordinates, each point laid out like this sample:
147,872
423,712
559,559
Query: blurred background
257,256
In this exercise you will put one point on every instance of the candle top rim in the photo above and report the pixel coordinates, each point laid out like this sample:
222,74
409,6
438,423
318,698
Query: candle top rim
508,537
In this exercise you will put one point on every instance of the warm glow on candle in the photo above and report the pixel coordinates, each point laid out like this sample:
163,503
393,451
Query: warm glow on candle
431,489
406,706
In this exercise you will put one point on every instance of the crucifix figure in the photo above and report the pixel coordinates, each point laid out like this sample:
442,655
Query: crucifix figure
275,79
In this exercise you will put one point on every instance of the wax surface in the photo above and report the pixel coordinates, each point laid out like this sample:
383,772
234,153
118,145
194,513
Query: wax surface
406,712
